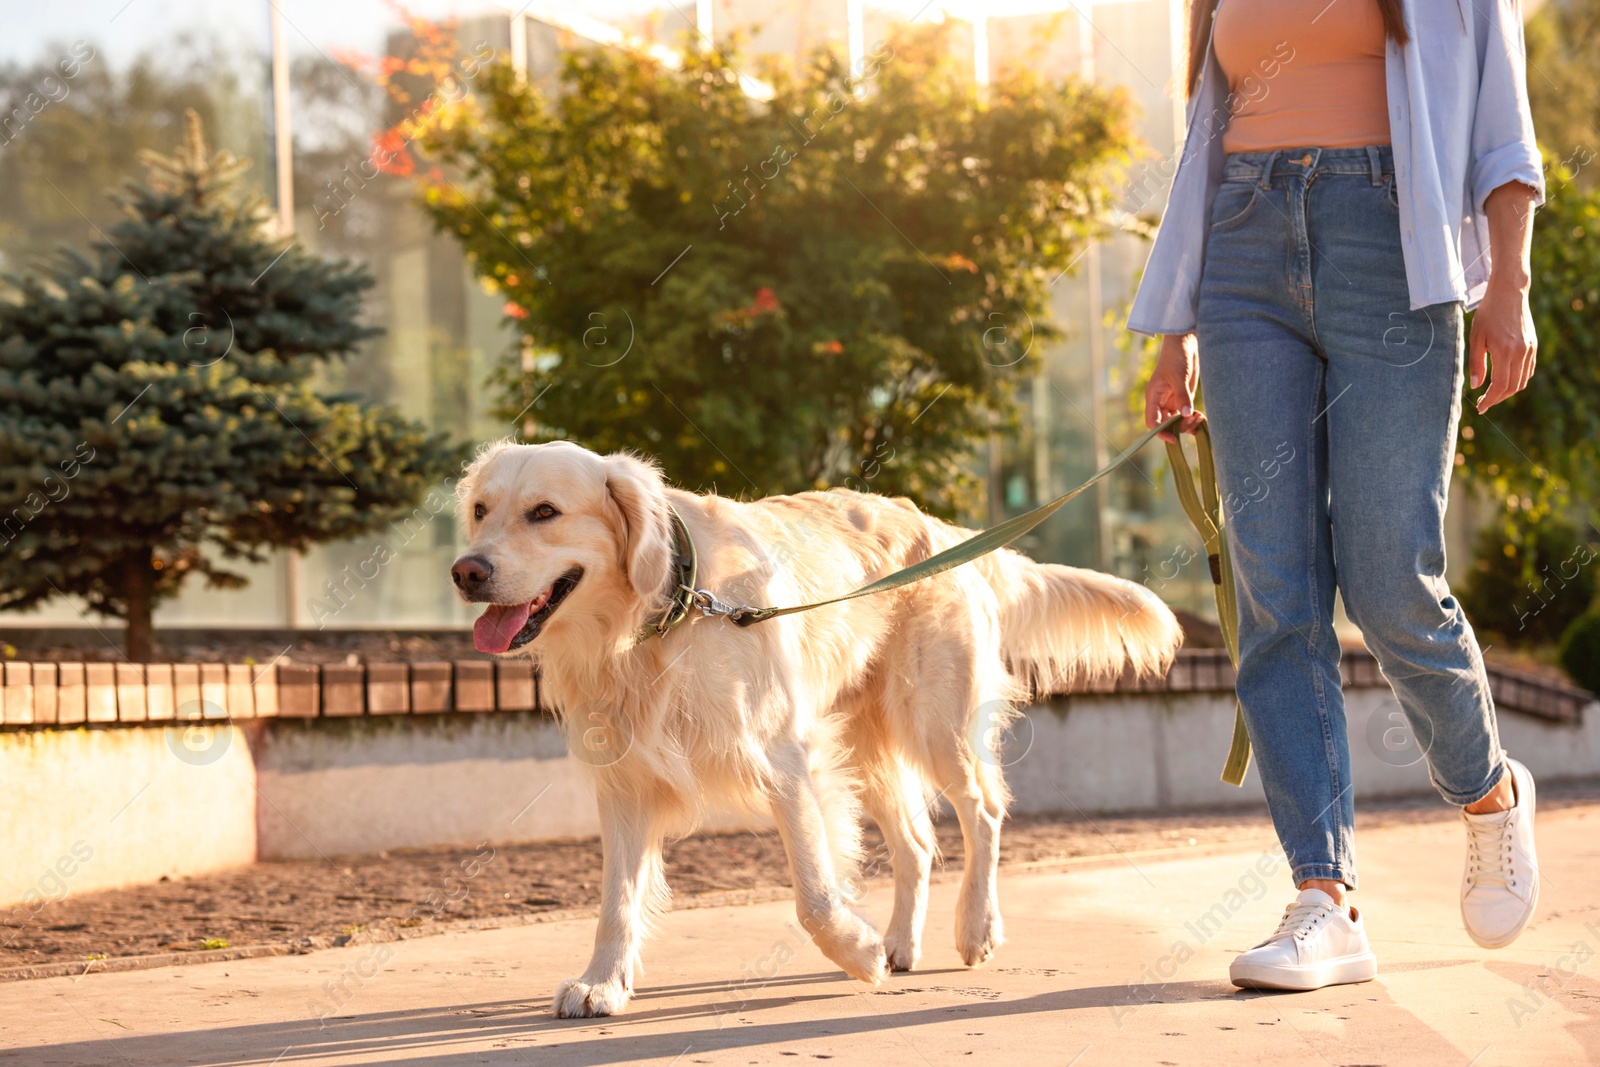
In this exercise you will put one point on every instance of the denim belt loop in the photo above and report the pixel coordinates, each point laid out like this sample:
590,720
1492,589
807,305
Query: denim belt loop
1375,161
1266,170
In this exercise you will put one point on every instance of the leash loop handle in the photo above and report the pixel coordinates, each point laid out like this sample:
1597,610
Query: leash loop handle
1204,509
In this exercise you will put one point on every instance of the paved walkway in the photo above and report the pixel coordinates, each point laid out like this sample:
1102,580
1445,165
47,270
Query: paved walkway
1122,964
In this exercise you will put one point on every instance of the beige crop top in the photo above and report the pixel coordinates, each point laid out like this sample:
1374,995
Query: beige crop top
1303,74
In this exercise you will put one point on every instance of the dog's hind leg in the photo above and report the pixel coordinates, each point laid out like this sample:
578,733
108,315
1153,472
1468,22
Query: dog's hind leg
966,763
894,798
632,890
979,800
968,774
842,935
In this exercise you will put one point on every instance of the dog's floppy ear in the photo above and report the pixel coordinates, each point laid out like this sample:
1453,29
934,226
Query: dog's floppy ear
636,488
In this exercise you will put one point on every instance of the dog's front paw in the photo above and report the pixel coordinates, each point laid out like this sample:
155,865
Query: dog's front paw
853,944
901,951
979,936
577,999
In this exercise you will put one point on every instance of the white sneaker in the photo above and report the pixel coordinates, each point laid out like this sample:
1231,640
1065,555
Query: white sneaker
1500,888
1317,944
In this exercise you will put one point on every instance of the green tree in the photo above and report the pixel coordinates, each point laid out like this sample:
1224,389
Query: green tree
158,416
839,285
1580,651
1530,580
1540,453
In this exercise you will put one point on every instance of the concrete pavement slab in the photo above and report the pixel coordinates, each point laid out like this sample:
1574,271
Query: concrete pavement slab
1116,964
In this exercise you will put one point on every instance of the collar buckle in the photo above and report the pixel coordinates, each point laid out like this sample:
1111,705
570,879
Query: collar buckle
685,595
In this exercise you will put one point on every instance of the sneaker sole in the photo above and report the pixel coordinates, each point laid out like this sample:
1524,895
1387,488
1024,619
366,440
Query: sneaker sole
1533,903
1506,939
1347,970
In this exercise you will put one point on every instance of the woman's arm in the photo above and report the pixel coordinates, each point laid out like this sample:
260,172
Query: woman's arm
1503,346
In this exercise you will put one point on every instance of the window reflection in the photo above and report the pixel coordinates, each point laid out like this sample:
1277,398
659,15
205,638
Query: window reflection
133,73
353,199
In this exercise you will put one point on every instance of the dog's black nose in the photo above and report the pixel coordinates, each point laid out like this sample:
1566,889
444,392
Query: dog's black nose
470,572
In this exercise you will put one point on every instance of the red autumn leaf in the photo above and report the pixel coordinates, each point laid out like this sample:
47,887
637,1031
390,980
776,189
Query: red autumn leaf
352,58
390,156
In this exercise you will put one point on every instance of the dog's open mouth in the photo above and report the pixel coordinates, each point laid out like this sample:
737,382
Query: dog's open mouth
504,627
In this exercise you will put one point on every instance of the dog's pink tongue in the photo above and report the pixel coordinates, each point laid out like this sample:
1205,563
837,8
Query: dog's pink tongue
498,625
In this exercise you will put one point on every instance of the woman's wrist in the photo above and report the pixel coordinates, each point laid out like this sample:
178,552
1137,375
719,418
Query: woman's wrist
1509,279
1177,347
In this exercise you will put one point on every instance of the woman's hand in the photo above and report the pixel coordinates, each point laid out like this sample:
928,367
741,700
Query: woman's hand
1170,390
1503,347
1503,344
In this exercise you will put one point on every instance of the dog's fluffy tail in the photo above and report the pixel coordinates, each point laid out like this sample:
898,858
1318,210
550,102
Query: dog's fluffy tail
1064,625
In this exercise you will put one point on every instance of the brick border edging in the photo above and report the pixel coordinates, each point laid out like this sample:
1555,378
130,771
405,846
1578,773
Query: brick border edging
75,694
1208,670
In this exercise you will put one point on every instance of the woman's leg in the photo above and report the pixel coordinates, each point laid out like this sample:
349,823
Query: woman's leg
1265,384
1394,379
1390,455
1264,391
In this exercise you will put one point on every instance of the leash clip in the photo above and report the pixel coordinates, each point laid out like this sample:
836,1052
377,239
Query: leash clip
711,607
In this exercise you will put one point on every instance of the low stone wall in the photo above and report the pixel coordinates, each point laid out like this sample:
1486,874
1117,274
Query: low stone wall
1162,752
90,808
123,775
354,786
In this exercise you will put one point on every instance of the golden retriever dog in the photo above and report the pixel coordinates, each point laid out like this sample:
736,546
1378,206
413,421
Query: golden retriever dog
886,703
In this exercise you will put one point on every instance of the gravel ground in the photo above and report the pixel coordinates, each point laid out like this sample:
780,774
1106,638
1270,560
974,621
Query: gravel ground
319,903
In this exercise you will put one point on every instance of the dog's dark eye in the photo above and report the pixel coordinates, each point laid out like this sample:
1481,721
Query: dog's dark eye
542,513
479,511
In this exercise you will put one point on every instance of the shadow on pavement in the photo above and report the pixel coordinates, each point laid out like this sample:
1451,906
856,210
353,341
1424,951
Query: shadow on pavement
720,1017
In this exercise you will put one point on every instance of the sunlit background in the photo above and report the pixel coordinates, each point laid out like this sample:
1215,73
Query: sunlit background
283,83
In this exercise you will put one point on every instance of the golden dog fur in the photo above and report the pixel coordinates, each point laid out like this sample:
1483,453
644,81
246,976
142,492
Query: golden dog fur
885,703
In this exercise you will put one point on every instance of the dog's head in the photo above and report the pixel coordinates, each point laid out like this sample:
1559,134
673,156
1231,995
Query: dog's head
561,540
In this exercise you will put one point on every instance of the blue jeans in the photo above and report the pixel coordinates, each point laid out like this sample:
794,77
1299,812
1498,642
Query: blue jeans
1333,409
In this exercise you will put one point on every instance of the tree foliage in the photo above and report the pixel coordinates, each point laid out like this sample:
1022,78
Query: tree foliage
1580,651
158,412
1540,453
1529,581
839,285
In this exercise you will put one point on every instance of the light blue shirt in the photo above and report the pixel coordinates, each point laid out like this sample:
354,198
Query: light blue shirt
1460,127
